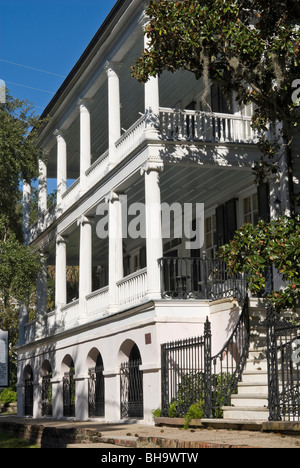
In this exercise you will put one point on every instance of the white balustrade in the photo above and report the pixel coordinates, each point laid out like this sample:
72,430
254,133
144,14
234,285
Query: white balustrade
131,139
97,169
186,125
97,303
71,195
133,289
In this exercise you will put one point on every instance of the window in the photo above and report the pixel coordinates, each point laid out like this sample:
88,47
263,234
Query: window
250,209
211,236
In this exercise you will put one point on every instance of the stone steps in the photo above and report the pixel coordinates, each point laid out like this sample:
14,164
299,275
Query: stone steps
251,401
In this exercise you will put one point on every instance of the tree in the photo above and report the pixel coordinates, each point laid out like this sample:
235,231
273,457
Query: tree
19,156
249,47
255,249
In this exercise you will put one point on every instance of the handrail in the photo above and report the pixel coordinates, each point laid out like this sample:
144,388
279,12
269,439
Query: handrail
228,365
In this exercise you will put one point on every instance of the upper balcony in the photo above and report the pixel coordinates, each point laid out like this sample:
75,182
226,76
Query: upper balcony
173,127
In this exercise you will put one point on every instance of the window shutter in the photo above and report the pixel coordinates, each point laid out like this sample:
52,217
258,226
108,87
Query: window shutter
263,195
220,226
230,220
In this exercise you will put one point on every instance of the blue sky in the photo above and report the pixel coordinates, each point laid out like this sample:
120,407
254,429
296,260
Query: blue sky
48,35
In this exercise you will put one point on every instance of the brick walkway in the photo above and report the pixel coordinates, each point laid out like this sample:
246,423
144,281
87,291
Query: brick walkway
69,434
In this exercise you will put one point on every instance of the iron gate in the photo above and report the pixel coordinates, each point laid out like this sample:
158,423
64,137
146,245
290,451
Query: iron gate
283,353
96,392
132,401
47,395
28,400
191,375
69,393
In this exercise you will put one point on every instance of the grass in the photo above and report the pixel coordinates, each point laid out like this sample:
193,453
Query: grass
11,441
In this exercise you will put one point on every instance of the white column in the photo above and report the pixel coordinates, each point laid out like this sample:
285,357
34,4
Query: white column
85,261
26,207
114,109
115,249
85,140
42,199
23,320
61,272
61,165
154,243
151,93
41,298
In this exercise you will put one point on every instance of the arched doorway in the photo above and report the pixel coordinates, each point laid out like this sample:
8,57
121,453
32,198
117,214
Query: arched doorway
96,385
28,389
132,400
68,370
46,389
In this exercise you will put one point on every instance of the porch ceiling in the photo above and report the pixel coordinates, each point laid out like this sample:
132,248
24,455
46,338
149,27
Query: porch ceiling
179,184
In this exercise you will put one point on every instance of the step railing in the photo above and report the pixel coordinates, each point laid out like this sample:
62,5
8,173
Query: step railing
192,376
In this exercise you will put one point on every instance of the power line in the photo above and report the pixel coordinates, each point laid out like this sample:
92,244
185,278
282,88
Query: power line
32,68
30,87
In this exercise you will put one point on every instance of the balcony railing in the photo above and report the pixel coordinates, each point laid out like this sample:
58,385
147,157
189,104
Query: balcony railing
186,125
199,278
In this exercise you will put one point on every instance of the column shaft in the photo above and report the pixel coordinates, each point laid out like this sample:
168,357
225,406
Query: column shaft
61,272
114,109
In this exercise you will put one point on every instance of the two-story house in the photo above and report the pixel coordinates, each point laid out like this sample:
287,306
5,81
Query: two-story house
117,151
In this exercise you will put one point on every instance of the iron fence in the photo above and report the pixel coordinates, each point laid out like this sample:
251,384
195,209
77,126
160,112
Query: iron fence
199,278
191,375
283,350
132,401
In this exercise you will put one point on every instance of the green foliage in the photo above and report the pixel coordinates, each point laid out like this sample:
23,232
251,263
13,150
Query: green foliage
8,396
250,47
195,411
18,159
156,413
256,248
191,395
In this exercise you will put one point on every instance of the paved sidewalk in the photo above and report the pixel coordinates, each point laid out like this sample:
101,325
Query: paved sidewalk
141,436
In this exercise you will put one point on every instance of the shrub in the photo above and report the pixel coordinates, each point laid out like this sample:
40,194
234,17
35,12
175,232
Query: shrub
8,396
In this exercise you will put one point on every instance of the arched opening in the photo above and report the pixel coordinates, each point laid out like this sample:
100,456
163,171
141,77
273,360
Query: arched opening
46,372
96,385
28,389
132,399
68,370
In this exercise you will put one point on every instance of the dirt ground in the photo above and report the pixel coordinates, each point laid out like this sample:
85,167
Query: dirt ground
219,436
215,436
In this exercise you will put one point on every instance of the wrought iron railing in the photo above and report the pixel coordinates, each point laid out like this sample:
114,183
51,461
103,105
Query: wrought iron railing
96,390
283,356
191,375
199,278
228,365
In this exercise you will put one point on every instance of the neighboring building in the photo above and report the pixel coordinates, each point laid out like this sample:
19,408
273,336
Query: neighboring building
114,146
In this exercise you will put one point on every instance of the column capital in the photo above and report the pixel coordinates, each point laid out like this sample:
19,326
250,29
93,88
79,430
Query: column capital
84,104
112,67
152,165
112,197
61,239
82,220
60,133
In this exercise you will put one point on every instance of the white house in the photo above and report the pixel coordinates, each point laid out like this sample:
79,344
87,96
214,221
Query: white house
119,151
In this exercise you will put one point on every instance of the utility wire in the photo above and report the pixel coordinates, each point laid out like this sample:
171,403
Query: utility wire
32,68
30,87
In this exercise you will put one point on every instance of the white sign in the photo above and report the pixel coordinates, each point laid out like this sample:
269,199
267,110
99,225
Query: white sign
4,381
